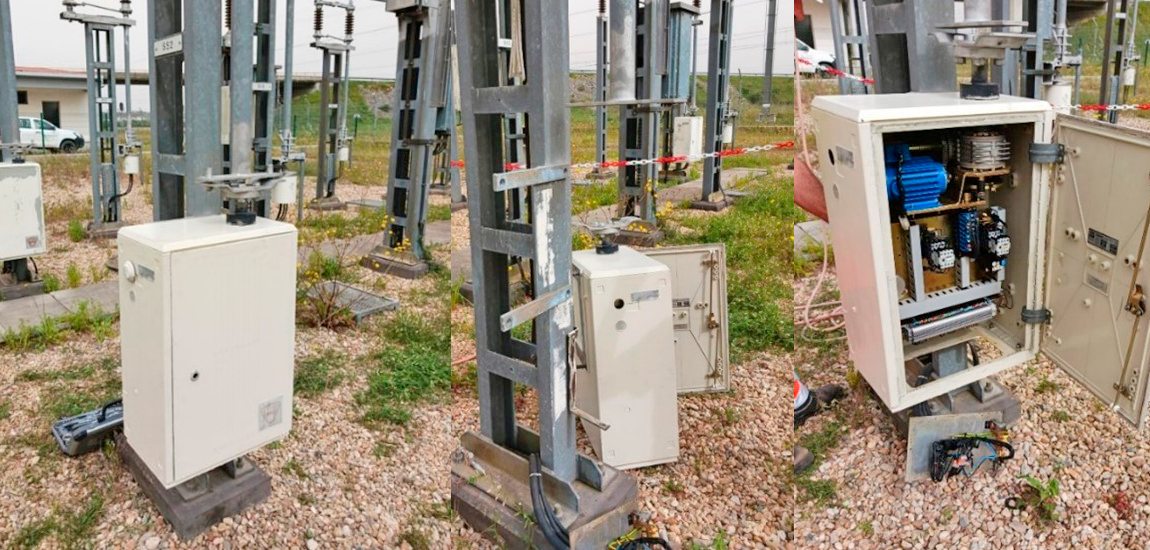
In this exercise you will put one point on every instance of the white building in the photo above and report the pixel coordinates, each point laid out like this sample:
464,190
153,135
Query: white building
59,95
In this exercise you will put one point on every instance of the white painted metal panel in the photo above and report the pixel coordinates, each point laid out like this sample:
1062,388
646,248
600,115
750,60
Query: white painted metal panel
208,340
624,311
1101,198
699,314
21,211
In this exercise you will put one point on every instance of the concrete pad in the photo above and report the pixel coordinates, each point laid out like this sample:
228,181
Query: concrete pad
106,295
811,232
373,204
438,232
29,311
223,496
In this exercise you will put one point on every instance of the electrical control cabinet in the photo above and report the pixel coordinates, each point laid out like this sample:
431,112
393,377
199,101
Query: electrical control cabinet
699,313
623,310
688,136
207,318
1034,242
21,211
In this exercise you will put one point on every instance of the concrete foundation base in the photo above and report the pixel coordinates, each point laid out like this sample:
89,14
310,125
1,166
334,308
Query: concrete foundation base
712,205
1001,400
195,506
327,205
382,260
104,230
490,491
641,239
11,290
457,206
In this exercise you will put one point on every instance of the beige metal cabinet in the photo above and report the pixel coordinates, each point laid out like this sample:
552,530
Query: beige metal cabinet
21,211
208,338
623,309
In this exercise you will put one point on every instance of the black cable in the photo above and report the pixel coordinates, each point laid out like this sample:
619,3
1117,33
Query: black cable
645,543
555,534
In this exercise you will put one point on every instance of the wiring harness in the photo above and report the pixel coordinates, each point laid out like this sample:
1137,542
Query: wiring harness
955,455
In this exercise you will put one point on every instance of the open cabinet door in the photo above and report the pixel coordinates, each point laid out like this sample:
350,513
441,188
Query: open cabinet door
1098,221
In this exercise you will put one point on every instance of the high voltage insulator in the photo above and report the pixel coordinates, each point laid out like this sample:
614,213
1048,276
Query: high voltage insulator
698,4
228,14
349,23
603,6
318,19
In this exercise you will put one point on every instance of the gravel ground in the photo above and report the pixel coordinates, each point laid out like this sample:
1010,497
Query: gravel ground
1065,433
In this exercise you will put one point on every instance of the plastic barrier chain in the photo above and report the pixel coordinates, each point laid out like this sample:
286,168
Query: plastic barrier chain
835,72
661,160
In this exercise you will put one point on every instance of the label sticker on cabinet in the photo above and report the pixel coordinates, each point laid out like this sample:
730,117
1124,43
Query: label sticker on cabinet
645,295
1099,284
271,413
1102,241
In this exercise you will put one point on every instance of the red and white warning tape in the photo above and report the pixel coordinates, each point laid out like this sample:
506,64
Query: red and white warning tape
835,72
511,166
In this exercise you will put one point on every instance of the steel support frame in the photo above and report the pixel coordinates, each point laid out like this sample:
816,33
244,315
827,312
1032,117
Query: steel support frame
639,125
186,47
718,97
849,29
677,78
419,101
544,237
1115,57
10,122
331,121
905,56
769,57
516,150
447,142
104,143
602,60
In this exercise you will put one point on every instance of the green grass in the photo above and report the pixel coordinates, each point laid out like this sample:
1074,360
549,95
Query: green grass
87,318
51,283
1046,385
293,468
319,373
5,409
720,542
75,278
1060,416
76,231
72,528
318,227
438,212
757,232
411,367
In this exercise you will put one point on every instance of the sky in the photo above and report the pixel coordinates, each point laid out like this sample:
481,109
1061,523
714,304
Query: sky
34,21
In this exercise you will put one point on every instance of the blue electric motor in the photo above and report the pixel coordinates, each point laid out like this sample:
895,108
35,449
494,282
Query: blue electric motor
923,178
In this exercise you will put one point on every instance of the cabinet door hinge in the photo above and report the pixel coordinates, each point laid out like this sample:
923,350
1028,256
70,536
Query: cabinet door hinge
1036,316
1047,153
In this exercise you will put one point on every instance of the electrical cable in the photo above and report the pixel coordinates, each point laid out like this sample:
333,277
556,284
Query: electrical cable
554,532
827,322
645,543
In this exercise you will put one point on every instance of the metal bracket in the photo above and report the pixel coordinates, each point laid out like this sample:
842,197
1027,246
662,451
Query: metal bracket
1136,302
534,308
1036,316
506,181
1047,153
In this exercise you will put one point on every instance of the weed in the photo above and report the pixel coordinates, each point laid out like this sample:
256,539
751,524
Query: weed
720,542
75,278
32,534
674,487
1060,416
319,373
1121,504
947,513
867,527
730,417
821,442
76,231
293,467
51,283
306,499
1046,385
820,491
5,409
1042,497
384,449
417,539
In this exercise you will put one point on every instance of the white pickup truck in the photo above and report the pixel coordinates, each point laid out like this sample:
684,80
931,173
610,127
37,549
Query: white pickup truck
48,136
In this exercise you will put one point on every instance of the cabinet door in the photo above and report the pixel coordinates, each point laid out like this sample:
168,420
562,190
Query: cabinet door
699,302
1096,239
233,326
